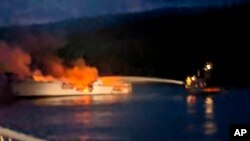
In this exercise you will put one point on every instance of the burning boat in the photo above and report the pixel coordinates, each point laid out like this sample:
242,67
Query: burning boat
49,75
30,87
61,80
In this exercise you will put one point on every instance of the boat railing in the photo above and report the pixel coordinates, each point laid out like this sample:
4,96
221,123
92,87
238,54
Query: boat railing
10,135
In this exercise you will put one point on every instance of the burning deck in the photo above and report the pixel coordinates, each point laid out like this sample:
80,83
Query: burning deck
59,88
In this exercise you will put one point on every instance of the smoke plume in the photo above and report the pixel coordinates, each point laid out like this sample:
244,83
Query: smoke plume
34,57
14,60
46,66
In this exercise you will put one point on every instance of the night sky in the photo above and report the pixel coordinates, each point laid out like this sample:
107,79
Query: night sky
17,12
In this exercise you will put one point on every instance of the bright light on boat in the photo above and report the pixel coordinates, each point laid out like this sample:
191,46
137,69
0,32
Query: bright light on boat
193,78
188,81
208,67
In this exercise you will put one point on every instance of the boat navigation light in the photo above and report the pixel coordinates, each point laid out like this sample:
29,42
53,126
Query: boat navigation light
208,67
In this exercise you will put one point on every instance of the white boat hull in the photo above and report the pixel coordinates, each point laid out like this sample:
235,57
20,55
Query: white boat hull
32,88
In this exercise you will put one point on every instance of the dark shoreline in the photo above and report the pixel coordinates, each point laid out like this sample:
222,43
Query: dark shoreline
166,43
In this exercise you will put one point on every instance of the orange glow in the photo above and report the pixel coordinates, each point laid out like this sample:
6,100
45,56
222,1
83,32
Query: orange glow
113,81
86,100
86,90
37,76
191,100
210,90
80,76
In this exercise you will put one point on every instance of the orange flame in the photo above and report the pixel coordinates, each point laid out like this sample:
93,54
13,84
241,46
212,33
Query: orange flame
15,60
112,81
38,76
80,76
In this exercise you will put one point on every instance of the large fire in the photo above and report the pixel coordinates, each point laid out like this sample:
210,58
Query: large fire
50,68
79,76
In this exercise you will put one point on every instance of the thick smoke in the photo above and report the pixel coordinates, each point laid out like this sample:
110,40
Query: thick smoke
39,62
26,54
39,45
14,60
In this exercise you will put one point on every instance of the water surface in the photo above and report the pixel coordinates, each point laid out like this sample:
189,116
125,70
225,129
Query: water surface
151,112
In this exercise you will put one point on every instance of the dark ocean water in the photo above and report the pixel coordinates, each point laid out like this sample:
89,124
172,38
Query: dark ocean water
151,112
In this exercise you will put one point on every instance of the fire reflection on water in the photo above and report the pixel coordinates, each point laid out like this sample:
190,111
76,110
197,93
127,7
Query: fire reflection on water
191,100
81,100
209,127
209,108
84,116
